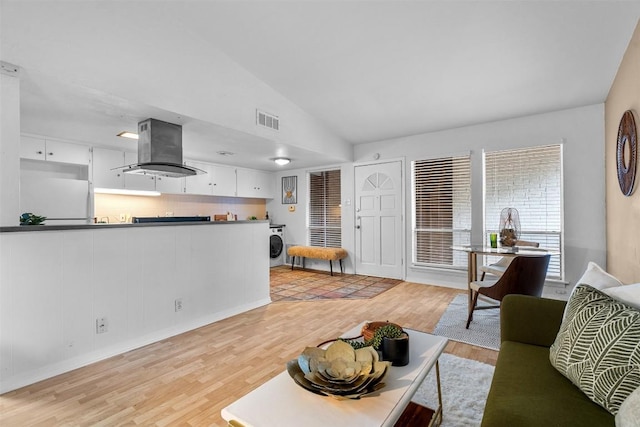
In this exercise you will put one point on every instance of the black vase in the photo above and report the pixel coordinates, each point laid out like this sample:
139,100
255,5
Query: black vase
395,350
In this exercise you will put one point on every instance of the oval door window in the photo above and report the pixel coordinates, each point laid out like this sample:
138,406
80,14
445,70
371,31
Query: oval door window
276,245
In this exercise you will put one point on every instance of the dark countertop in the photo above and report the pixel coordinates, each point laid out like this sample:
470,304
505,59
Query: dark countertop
27,228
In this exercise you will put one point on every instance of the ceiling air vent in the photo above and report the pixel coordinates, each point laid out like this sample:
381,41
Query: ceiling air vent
267,120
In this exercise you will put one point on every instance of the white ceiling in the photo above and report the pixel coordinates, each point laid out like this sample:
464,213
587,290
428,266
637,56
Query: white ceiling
366,71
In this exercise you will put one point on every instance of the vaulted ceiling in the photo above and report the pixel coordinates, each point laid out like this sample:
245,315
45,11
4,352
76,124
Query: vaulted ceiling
337,73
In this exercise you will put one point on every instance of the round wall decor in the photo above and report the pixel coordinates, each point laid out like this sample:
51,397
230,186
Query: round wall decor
627,153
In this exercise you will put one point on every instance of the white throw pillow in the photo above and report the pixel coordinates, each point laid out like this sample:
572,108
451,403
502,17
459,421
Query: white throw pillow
628,294
596,277
629,413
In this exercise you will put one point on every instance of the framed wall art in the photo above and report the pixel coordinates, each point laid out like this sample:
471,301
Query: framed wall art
289,194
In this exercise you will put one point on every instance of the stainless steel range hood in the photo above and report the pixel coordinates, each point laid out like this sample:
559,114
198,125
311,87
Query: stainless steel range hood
160,151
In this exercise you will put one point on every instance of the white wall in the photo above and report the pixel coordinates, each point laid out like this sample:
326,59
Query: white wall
581,130
9,150
54,284
295,231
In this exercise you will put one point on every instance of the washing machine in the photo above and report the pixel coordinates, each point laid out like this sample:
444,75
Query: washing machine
276,245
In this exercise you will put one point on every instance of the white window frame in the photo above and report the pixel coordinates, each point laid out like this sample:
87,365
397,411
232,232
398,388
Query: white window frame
460,234
548,236
331,211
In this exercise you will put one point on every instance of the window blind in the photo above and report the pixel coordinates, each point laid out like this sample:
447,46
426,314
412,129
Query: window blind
325,217
441,210
529,180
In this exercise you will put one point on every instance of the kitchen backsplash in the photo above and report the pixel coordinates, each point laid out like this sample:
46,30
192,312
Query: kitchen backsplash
110,207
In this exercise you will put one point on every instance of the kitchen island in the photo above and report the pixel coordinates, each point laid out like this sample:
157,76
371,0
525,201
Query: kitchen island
73,295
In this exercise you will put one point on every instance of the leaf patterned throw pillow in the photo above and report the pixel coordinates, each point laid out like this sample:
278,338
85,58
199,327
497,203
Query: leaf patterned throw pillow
598,347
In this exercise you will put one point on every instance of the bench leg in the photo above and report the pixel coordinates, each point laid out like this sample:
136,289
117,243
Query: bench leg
341,270
331,266
293,261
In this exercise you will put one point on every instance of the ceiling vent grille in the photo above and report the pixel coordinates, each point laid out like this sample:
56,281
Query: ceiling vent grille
267,120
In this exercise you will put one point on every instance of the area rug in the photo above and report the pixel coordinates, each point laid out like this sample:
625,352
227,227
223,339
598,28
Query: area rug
465,384
311,285
484,330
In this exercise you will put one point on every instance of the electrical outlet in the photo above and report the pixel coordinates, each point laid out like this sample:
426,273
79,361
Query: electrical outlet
178,304
101,325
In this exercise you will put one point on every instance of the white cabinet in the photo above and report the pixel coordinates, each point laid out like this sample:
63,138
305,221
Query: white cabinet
217,181
32,148
199,184
170,185
254,183
104,160
223,179
53,151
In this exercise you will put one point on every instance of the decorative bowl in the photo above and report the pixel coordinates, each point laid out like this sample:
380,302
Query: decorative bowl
339,371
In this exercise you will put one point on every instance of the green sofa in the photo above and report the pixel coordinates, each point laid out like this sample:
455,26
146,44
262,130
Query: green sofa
526,389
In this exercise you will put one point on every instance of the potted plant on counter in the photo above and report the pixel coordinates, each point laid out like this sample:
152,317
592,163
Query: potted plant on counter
28,218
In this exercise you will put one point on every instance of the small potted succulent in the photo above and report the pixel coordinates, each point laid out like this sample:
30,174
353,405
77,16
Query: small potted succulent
389,339
28,218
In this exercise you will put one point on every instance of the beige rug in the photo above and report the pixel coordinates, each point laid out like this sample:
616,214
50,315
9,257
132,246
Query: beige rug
310,285
484,330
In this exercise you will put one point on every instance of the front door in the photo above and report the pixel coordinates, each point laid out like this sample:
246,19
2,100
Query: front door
378,200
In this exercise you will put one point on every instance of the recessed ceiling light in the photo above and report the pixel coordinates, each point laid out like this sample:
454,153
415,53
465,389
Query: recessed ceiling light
281,161
127,134
225,153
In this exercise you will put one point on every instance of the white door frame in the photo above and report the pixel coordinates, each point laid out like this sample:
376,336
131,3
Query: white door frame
403,183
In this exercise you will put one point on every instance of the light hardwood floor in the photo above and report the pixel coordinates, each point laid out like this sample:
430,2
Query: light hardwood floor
189,378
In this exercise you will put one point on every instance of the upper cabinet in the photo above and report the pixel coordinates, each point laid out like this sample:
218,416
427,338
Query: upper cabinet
223,179
104,161
199,184
254,183
53,151
217,181
166,184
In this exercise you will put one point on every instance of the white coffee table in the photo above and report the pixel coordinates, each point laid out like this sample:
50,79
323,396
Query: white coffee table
281,402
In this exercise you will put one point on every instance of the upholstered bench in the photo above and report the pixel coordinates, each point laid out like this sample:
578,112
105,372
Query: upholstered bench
329,254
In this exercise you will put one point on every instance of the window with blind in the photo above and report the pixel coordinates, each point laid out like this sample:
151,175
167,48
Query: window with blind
529,180
441,210
325,218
